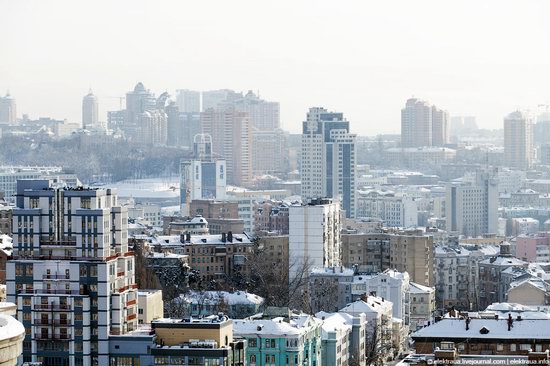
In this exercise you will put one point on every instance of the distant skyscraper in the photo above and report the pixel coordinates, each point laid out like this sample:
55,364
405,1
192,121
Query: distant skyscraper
137,101
328,158
416,124
8,110
270,152
440,127
263,115
541,130
89,111
152,127
173,125
518,141
231,139
188,101
203,177
472,206
212,98
191,124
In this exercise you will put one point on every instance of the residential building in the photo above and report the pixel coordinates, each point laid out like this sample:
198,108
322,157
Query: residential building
389,285
336,335
6,250
174,125
329,288
90,114
440,127
188,101
533,247
191,341
492,287
396,210
518,141
150,306
419,157
72,274
8,109
472,207
197,225
270,152
328,159
213,98
314,236
532,291
369,252
264,115
422,305
271,217
202,177
412,251
146,213
190,125
231,134
137,102
491,336
281,341
152,127
416,124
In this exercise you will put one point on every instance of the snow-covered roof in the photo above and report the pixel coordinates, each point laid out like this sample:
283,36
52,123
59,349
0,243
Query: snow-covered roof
373,304
230,298
332,271
416,288
504,261
449,328
276,327
334,322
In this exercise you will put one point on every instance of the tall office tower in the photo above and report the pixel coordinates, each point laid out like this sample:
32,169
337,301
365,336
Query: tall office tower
89,111
541,130
213,98
115,119
137,101
202,177
263,115
440,127
174,126
472,206
8,110
328,158
518,141
232,140
270,152
416,124
152,127
191,124
314,236
72,274
188,101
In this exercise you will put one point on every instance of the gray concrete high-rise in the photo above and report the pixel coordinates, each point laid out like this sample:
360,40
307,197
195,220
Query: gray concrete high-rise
423,124
264,115
8,109
518,141
137,101
89,111
188,101
328,158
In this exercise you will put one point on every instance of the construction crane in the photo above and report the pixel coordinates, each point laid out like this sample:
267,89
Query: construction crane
120,100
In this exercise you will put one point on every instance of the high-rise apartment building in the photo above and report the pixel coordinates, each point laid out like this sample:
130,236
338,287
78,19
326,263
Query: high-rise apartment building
188,101
203,177
264,115
8,110
89,111
423,124
472,206
328,158
137,101
174,127
213,98
232,140
314,236
72,274
152,127
518,141
270,152
440,127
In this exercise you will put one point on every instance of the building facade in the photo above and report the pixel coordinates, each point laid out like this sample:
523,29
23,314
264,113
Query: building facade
518,141
90,114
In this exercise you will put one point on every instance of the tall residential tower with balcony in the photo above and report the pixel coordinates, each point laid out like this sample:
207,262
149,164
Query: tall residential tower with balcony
72,274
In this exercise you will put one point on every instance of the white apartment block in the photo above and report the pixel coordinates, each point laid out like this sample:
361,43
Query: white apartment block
314,235
518,141
396,210
72,274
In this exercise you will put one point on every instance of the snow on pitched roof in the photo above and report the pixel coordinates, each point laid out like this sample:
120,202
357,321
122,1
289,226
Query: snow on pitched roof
230,298
334,322
276,327
416,288
452,328
372,305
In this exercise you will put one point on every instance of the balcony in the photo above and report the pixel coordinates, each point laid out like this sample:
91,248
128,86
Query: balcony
48,307
56,277
56,322
49,337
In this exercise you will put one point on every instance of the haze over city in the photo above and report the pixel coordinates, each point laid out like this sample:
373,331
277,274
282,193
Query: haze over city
365,58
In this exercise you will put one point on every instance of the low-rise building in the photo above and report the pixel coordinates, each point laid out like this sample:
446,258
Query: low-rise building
281,341
335,339
422,305
150,306
236,305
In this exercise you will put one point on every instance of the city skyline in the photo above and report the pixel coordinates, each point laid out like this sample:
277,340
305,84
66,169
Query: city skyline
468,70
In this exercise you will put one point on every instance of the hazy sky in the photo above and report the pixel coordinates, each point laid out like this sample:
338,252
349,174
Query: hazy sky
364,58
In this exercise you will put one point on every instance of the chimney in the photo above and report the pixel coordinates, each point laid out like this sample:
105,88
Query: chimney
223,238
188,237
230,236
510,322
467,323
